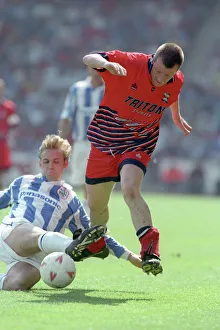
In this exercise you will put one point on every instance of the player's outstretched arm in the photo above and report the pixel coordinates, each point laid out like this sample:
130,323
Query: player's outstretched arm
96,61
135,260
64,127
65,123
178,120
120,251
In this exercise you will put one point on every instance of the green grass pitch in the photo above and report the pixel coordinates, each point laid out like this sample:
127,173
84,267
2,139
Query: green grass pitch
112,294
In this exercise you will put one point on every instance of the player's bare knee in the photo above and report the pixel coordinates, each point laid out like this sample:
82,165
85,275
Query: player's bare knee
97,207
130,192
99,216
20,284
13,285
103,213
22,276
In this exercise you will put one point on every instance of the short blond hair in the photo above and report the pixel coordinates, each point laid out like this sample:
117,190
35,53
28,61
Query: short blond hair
55,142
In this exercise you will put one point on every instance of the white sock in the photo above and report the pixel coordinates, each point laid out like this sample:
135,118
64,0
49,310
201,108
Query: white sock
53,242
2,278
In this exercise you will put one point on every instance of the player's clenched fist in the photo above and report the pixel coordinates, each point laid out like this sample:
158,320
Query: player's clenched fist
116,69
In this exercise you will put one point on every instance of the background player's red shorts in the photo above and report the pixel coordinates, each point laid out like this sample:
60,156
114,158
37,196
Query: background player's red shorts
5,156
104,168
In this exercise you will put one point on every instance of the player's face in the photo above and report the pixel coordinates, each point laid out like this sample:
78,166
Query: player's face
160,75
52,164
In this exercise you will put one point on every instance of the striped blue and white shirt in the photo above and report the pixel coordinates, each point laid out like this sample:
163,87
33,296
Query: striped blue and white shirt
80,105
52,206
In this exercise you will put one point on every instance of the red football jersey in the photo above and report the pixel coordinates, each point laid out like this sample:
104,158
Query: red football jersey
7,108
131,108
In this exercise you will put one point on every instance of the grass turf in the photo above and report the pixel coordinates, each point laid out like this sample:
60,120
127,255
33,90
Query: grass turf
112,294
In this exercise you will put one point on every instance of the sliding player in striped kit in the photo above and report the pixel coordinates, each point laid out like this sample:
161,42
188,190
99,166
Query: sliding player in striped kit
79,108
43,207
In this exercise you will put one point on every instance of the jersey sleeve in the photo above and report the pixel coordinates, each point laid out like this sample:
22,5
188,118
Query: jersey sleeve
10,195
5,198
69,104
180,80
113,56
129,60
80,218
116,249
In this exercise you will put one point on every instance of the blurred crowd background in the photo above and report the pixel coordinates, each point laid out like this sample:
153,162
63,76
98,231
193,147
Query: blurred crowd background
42,44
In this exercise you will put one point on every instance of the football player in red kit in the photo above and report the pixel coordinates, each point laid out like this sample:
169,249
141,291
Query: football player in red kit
8,119
125,130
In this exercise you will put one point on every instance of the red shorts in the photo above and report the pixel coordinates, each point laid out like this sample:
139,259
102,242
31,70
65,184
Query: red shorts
102,167
5,156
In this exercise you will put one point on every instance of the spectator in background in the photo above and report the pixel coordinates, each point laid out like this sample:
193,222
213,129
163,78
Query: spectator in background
196,180
8,119
174,177
80,105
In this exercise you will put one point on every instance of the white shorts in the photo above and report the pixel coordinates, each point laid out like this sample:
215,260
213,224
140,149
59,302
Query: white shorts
78,162
8,256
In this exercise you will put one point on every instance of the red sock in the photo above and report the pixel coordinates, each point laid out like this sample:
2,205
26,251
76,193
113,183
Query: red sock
150,242
97,246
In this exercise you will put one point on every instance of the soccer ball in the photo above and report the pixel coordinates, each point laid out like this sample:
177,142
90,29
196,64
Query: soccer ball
57,270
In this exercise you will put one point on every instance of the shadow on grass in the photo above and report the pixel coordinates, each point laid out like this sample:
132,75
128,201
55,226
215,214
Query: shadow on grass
83,296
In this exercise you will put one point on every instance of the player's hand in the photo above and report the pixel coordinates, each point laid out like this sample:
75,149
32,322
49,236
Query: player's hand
135,260
184,126
116,69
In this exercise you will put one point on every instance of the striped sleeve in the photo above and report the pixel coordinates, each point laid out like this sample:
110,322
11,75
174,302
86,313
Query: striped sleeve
5,198
116,249
80,219
10,195
69,104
